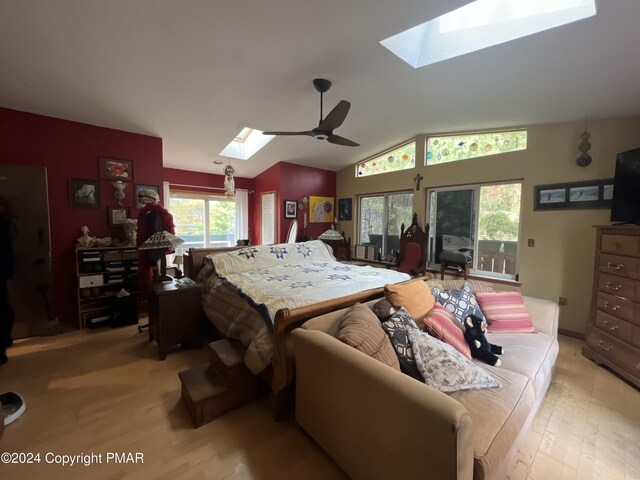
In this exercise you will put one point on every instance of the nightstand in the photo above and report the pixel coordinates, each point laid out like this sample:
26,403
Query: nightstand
175,315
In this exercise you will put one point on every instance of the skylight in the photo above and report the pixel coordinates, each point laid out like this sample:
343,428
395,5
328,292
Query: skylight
247,142
482,24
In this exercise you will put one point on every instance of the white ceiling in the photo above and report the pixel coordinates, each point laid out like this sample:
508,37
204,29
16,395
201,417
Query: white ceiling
194,72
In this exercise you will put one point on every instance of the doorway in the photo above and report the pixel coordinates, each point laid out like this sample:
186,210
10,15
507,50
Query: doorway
269,224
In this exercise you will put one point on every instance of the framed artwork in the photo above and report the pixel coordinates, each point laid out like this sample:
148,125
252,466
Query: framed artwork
290,209
117,215
344,209
139,187
116,169
574,196
84,193
321,209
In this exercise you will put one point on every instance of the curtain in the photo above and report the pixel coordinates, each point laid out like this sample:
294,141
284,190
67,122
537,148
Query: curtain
242,214
166,193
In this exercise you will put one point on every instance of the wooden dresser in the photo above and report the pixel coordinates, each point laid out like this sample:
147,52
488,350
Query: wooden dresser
613,336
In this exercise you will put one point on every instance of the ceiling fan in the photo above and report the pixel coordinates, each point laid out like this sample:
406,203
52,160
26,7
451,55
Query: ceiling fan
325,128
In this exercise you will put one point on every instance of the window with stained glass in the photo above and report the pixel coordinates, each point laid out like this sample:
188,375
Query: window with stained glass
400,158
452,148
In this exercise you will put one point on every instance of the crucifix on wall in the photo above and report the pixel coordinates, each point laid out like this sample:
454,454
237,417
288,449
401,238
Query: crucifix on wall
417,179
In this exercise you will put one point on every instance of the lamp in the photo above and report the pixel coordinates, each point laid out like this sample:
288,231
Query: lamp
331,235
178,260
161,241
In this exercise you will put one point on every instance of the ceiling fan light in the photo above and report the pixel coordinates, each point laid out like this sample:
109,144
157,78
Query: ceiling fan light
320,136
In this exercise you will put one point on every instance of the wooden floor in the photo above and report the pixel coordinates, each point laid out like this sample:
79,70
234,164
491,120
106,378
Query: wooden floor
105,391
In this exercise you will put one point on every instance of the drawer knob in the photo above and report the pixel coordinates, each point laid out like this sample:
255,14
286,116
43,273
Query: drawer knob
614,308
617,266
604,347
613,287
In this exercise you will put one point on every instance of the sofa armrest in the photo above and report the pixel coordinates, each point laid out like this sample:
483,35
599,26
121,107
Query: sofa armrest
544,314
374,421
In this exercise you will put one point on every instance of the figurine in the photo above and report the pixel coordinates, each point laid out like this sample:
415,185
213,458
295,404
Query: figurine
130,226
103,242
85,240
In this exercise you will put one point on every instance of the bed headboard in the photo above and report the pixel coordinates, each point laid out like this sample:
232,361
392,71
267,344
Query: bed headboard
197,256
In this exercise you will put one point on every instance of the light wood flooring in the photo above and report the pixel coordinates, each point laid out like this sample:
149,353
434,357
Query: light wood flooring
105,391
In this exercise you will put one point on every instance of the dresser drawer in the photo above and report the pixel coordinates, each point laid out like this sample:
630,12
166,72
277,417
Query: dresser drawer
614,326
620,286
618,307
624,266
91,281
621,244
623,355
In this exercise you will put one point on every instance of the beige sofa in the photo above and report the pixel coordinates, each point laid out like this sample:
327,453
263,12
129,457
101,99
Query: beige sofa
378,423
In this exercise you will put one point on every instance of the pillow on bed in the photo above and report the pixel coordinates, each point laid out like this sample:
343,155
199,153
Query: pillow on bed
444,368
360,329
415,296
460,301
505,312
397,327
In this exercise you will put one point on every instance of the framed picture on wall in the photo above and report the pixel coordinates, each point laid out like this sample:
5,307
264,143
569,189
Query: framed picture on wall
84,193
321,209
116,169
344,209
574,196
139,187
290,209
117,215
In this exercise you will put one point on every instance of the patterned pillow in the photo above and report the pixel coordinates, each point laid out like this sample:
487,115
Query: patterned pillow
444,326
414,295
444,368
397,327
505,312
460,301
360,329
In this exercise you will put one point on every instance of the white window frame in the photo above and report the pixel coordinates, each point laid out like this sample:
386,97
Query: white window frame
433,262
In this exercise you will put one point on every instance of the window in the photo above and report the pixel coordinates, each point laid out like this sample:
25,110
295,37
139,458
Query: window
452,148
481,219
246,143
380,219
400,158
204,220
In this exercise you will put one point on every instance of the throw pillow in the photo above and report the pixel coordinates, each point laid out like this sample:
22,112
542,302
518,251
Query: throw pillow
397,327
360,329
444,368
383,309
505,312
415,296
444,326
460,301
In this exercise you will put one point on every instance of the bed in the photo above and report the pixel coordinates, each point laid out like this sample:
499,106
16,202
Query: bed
258,294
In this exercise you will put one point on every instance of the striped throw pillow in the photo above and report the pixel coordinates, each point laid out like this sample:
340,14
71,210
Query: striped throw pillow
443,325
505,312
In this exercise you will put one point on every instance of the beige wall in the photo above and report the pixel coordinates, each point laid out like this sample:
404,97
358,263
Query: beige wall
561,263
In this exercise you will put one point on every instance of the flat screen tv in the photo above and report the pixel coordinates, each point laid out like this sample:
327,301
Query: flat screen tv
625,205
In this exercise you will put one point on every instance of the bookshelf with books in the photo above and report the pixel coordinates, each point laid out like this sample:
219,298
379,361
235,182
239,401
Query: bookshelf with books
101,273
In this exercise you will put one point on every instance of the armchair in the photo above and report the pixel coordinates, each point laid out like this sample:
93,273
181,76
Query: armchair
412,257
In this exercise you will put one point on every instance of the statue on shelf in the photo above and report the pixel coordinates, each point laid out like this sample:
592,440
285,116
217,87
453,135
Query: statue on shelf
103,242
130,227
85,240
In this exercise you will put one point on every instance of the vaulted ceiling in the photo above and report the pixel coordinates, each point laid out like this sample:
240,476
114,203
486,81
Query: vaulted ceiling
194,72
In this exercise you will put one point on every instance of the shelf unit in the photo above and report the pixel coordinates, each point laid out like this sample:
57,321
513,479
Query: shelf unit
101,273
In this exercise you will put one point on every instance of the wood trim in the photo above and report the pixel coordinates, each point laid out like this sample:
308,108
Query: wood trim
197,256
571,333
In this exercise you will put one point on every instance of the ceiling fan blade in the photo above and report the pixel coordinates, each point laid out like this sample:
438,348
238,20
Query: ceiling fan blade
288,133
335,117
338,140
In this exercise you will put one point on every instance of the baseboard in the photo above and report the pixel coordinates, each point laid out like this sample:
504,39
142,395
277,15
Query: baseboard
571,333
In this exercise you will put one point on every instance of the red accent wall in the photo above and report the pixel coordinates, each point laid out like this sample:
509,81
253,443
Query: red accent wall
200,179
293,182
71,150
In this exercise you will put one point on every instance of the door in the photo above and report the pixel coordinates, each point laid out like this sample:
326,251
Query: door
25,188
268,228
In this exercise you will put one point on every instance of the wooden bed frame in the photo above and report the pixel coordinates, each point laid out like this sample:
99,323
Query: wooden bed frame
280,374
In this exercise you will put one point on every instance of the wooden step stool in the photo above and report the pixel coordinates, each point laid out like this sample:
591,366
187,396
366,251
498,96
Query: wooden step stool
210,390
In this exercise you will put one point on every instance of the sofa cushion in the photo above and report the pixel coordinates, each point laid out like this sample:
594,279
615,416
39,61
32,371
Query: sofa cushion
505,312
459,301
443,325
444,368
360,329
415,296
500,417
397,327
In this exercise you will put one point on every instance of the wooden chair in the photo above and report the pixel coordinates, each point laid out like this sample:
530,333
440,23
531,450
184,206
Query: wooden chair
412,257
341,248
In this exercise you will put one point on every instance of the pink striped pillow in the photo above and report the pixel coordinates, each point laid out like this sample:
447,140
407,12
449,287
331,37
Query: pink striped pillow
443,325
505,312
